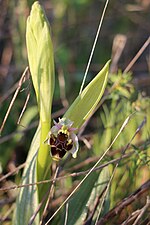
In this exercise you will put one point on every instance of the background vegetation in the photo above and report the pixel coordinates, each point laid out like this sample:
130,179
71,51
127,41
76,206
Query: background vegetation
74,24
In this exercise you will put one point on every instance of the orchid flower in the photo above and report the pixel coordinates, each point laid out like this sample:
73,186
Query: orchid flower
62,139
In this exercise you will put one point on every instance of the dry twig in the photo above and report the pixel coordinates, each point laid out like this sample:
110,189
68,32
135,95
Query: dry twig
21,81
124,203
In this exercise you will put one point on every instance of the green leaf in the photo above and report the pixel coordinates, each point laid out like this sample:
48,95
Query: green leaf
84,199
41,62
101,184
27,200
87,101
77,204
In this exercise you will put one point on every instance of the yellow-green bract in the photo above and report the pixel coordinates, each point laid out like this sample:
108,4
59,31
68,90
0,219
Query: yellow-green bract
87,101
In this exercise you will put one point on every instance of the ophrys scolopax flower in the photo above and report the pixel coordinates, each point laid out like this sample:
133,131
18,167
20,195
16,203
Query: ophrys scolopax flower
62,139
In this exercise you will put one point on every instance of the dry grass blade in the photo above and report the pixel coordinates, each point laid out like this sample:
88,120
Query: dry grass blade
124,203
51,193
62,177
94,44
9,136
33,125
9,92
7,214
38,208
131,218
24,107
66,214
142,211
12,172
58,178
95,208
22,80
137,55
47,196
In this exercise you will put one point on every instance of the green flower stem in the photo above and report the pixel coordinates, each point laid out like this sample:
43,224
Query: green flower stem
43,159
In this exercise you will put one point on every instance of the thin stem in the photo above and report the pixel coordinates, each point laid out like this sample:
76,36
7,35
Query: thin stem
66,214
51,192
142,211
24,107
93,47
137,55
66,176
21,81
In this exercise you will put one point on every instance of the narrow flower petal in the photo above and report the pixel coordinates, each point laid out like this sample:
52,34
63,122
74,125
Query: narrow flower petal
75,146
54,129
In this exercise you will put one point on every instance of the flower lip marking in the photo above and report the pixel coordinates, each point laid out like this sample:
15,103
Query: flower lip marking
62,139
